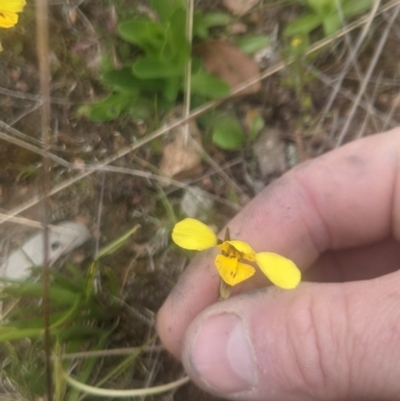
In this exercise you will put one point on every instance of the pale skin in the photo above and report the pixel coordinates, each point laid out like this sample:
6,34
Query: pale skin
337,335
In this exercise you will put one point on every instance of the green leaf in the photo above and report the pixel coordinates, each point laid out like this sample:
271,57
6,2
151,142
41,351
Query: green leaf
303,25
124,81
58,295
88,364
256,126
148,35
153,67
109,108
201,32
171,89
203,22
177,25
142,110
116,244
75,332
216,19
254,43
121,80
164,8
75,273
322,7
69,314
353,8
13,334
331,24
66,283
205,84
200,28
228,133
176,48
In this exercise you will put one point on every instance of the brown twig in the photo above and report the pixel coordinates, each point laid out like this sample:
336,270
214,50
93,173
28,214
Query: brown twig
42,36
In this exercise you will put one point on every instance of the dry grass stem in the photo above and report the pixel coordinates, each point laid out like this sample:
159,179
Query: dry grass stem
368,75
351,59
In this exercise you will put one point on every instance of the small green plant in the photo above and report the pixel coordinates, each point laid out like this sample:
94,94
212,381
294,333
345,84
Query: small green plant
74,309
250,44
228,133
72,299
155,77
151,80
79,318
327,14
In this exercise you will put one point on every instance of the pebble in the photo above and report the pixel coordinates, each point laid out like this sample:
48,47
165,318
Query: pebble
18,264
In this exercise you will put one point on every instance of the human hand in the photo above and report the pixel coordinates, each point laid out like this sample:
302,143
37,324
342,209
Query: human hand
338,218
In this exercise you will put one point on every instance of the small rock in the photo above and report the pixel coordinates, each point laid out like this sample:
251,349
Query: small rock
17,265
181,156
270,152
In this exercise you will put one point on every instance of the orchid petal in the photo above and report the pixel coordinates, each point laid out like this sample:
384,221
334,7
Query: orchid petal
8,12
281,271
194,235
232,271
243,248
12,5
8,19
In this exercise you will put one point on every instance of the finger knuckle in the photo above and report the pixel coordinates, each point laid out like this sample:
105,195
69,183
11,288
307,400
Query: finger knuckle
314,338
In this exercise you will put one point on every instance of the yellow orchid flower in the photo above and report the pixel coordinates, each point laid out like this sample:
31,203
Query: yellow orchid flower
9,10
296,41
194,235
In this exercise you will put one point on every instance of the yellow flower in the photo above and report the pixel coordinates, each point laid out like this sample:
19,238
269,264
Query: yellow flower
296,41
9,10
194,235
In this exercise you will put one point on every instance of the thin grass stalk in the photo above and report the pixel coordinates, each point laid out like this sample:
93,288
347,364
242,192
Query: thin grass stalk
188,68
42,34
368,75
351,58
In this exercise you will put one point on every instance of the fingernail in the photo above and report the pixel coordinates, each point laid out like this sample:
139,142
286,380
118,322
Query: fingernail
222,355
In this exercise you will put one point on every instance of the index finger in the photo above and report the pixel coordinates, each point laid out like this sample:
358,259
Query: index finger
346,198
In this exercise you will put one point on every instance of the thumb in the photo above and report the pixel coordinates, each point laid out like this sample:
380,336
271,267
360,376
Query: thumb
317,342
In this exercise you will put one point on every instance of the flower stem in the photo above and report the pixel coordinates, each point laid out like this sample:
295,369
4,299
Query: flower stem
224,290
